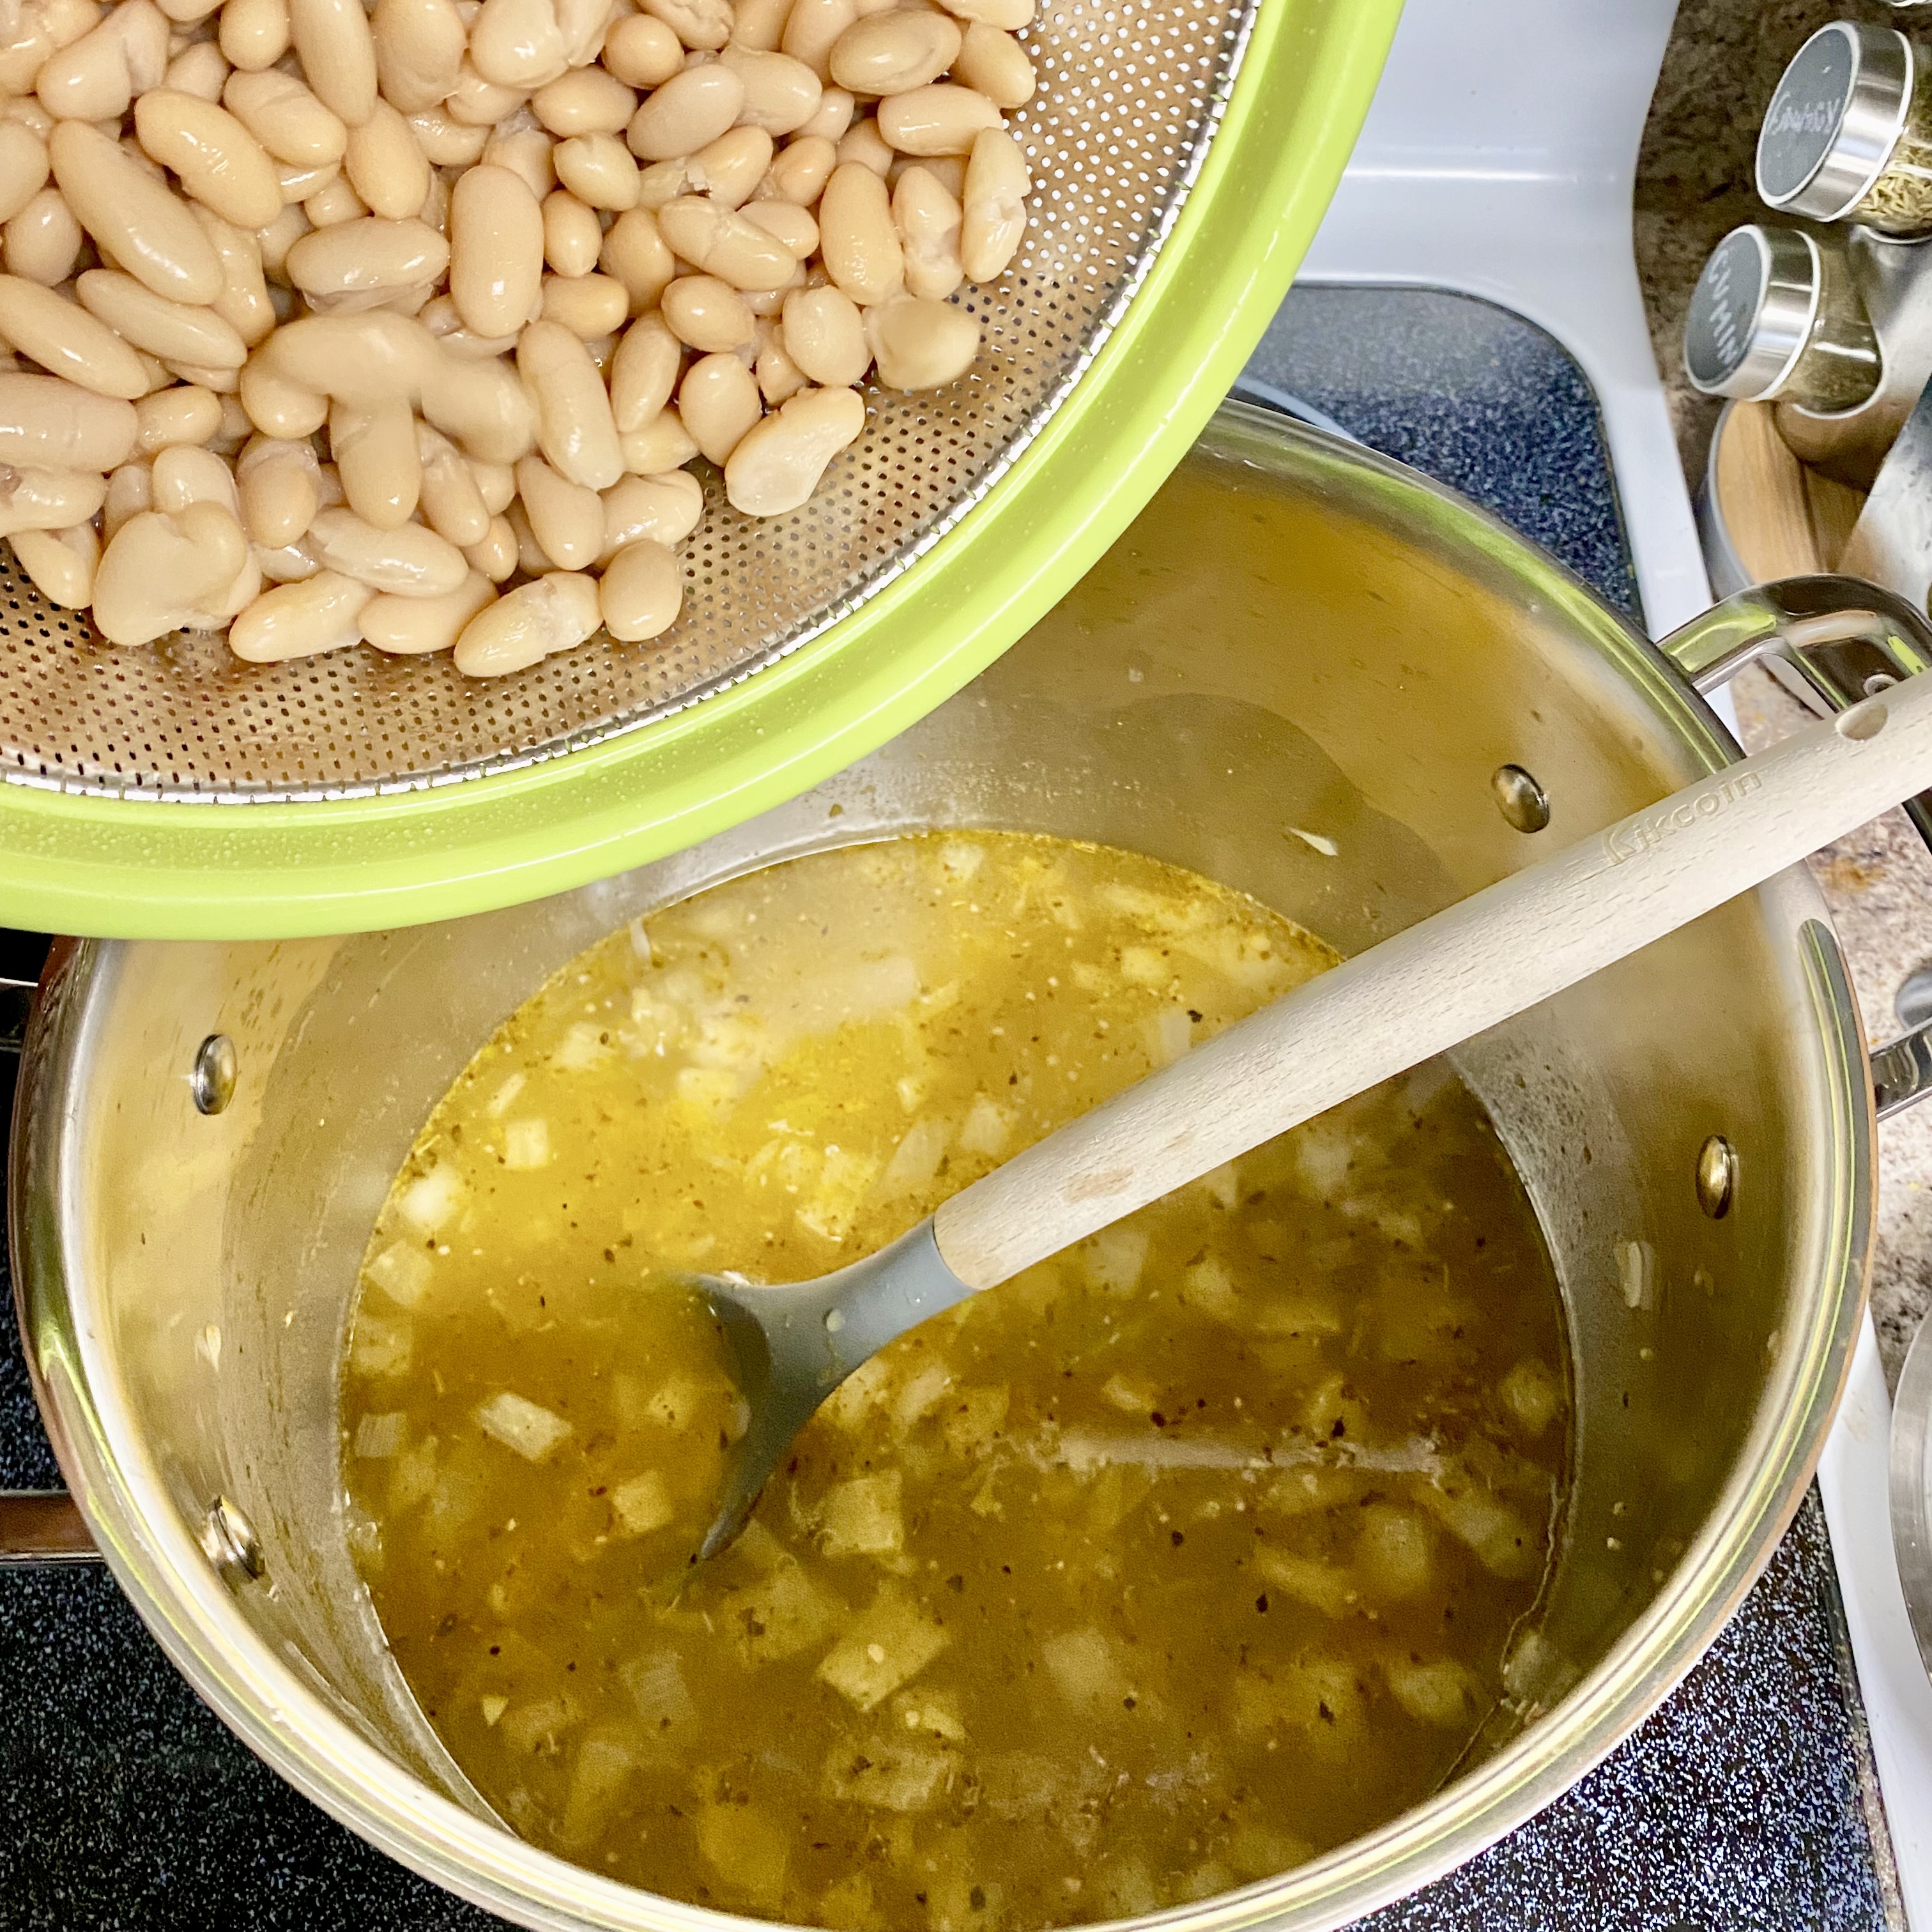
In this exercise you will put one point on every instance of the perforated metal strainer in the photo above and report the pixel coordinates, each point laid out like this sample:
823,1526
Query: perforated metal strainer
380,790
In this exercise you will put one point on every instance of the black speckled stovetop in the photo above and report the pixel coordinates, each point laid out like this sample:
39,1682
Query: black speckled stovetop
1741,1805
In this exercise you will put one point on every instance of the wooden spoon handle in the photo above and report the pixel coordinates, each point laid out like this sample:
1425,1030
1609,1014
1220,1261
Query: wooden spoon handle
1443,981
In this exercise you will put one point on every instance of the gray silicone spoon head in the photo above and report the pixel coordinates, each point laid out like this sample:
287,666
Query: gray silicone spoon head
791,1346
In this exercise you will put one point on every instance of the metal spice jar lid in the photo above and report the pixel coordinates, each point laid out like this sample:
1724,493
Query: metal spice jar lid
1834,120
1776,314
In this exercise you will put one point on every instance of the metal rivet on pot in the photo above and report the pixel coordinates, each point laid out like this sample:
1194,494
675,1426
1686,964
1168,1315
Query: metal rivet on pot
212,1082
1519,798
1716,1176
228,1539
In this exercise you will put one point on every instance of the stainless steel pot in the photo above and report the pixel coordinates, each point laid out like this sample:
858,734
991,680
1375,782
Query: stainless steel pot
1295,637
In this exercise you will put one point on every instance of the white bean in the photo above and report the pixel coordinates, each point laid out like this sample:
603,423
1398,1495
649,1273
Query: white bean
836,111
639,257
496,249
893,52
131,490
572,235
219,163
778,376
60,562
43,241
943,119
704,24
133,217
994,203
780,94
495,557
279,484
413,626
66,341
184,413
528,152
590,306
694,106
276,406
717,402
642,52
337,52
799,172
47,421
482,102
518,43
452,505
302,619
496,484
375,453
997,65
243,303
641,592
448,143
813,28
860,246
158,569
364,359
23,167
666,508
707,314
419,50
481,405
863,144
780,462
566,518
598,169
759,23
254,33
408,562
34,499
587,100
663,444
291,122
97,77
921,345
824,333
184,475
927,219
556,613
366,256
644,373
575,430
386,166
788,224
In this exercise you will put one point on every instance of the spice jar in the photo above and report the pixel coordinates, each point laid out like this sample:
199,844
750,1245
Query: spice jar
1848,136
1776,314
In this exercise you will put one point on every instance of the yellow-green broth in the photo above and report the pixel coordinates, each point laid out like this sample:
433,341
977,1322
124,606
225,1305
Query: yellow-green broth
1187,1555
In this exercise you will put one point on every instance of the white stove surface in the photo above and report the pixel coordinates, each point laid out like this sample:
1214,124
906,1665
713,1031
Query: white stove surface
1499,160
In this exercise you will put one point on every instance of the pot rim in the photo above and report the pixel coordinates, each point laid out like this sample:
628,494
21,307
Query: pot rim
156,1560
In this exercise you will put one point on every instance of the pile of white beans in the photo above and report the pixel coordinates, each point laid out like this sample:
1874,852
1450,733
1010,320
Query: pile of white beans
399,325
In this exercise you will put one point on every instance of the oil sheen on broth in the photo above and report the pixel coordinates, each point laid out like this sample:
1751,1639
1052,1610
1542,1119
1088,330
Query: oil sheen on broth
1188,1554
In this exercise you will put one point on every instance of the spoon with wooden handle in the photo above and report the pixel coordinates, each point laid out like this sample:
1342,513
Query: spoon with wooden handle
1427,989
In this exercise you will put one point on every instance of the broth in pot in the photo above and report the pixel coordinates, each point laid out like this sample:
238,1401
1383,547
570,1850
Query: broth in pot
1182,1557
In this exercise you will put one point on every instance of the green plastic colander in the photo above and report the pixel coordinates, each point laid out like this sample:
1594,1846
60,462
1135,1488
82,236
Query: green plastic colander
1183,151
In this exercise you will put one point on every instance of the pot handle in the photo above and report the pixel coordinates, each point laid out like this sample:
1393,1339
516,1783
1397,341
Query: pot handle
36,1526
1831,641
